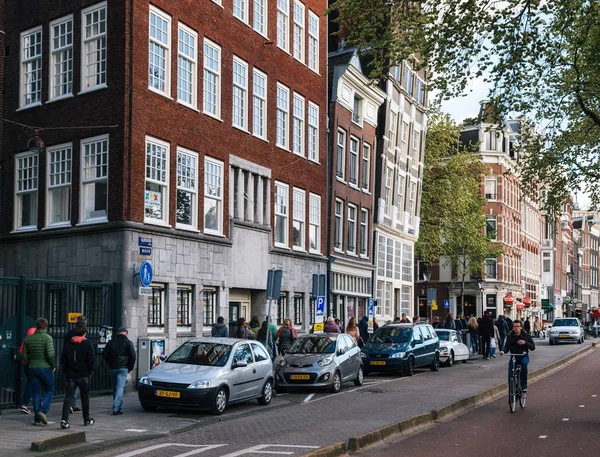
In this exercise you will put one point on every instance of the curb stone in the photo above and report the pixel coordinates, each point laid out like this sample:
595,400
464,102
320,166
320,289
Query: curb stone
409,426
58,441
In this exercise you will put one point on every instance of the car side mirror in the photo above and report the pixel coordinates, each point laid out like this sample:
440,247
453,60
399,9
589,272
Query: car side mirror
340,352
415,342
240,364
163,358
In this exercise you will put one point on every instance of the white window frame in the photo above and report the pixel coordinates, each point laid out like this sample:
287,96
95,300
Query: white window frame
315,221
354,162
260,17
338,229
313,132
162,183
352,226
299,20
366,167
214,73
392,130
491,261
340,158
364,233
30,186
492,138
412,197
182,183
299,217
209,194
62,171
298,127
31,60
239,94
96,179
187,52
166,47
259,104
494,218
64,77
240,10
93,48
313,42
387,195
282,210
283,25
283,116
357,110
491,180
404,131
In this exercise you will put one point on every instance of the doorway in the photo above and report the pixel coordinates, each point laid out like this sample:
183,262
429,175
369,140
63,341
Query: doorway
234,315
469,309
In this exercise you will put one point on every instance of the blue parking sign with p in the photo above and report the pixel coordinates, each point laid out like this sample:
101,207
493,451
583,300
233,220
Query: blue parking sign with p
320,307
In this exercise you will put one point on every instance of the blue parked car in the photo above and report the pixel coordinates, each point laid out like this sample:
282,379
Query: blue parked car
396,347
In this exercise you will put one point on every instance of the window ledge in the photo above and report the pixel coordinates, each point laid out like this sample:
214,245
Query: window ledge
340,179
281,245
58,99
316,162
156,222
187,105
58,225
187,228
364,191
298,249
160,92
312,251
92,89
157,331
100,220
214,233
32,105
351,254
241,129
285,148
28,228
213,116
364,256
338,250
354,186
262,138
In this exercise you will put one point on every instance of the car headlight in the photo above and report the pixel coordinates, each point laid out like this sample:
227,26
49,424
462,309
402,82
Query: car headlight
363,355
325,361
281,362
397,355
202,384
444,351
145,380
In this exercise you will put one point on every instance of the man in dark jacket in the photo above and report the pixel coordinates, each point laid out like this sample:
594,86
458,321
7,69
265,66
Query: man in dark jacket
220,330
120,357
77,360
362,328
502,330
70,334
486,331
519,342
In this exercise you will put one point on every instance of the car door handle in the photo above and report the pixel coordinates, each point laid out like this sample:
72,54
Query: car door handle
254,370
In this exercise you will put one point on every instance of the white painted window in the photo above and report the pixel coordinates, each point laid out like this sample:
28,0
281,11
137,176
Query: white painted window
299,27
340,154
187,67
415,146
298,125
58,204
407,262
408,79
357,110
313,132
240,10
338,233
491,268
281,214
353,172
392,130
283,107
283,24
93,50
314,230
239,103
260,16
187,189
259,104
61,57
412,195
31,67
212,78
387,194
313,41
491,187
156,195
26,191
213,196
94,179
351,246
366,166
491,225
159,59
298,224
364,232
491,140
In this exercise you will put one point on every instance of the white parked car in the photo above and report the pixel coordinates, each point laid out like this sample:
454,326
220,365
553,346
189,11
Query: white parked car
452,349
566,329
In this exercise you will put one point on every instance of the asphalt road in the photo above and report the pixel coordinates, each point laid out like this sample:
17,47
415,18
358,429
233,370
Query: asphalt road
561,417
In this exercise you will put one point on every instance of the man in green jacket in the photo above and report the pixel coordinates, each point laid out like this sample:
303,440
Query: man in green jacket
38,354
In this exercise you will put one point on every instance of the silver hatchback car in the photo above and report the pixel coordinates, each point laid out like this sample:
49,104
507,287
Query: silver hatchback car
209,373
319,360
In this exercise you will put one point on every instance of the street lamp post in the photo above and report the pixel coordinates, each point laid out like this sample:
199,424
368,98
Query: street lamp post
427,277
481,284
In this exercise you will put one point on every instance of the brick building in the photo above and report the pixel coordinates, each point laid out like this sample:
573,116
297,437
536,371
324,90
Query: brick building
353,108
196,126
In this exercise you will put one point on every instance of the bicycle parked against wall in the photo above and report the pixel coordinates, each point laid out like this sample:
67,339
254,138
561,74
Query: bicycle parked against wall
514,384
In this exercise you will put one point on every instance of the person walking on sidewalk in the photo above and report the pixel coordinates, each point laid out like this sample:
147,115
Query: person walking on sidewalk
486,331
70,334
28,389
77,360
38,353
120,357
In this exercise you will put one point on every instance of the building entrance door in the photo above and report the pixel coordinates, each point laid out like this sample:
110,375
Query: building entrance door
469,309
234,315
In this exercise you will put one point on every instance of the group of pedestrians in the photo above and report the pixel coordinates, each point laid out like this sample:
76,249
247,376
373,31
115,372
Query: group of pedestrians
78,362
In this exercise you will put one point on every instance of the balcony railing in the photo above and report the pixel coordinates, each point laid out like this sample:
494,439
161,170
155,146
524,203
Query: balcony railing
491,196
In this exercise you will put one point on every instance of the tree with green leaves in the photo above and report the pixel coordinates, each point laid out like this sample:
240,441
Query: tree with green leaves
540,59
452,229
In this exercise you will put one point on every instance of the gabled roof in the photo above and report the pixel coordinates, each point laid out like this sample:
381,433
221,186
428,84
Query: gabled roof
336,59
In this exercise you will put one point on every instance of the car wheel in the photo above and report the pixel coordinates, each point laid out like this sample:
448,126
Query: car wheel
465,361
580,340
450,360
360,378
435,365
337,382
147,407
267,393
409,370
219,402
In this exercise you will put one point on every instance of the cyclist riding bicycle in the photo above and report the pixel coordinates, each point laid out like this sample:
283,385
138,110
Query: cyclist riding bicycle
519,342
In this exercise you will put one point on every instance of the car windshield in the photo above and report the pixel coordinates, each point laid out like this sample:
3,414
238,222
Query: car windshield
443,336
201,353
565,323
313,345
396,335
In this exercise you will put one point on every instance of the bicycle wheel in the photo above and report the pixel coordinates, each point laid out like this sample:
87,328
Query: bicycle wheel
512,394
520,394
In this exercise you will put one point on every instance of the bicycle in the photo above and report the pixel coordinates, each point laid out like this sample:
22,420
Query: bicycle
514,385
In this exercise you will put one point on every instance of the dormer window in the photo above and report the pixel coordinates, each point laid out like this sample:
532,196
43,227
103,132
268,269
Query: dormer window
491,140
357,110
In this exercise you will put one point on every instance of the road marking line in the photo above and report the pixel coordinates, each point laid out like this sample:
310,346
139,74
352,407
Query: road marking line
259,450
205,447
594,396
137,430
198,451
307,399
565,419
543,437
582,406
